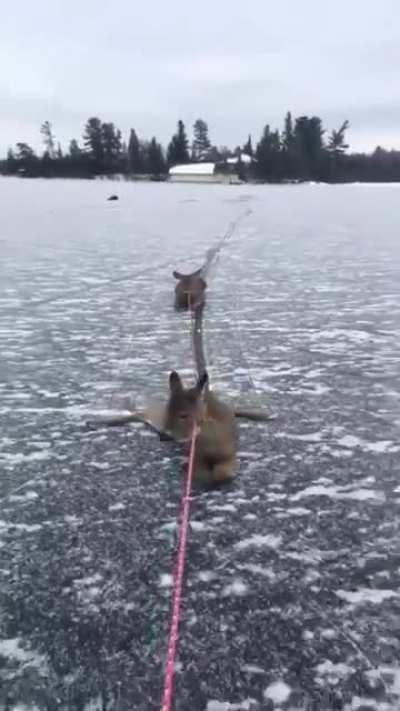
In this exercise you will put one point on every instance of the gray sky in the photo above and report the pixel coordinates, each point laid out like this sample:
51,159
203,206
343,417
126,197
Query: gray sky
237,64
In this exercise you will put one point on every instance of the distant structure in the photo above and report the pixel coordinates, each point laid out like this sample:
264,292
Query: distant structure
221,172
244,158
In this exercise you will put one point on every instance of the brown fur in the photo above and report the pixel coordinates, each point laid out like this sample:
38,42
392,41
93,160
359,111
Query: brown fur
189,291
215,453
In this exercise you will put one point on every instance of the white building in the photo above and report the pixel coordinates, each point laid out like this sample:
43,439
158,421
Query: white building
244,157
201,173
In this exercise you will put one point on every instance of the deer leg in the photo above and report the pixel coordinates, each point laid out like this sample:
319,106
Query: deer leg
253,414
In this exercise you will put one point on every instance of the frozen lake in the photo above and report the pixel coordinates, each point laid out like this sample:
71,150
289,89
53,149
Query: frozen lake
292,599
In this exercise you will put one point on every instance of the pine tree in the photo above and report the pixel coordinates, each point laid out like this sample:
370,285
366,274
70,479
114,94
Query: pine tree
135,154
11,162
27,159
268,155
48,138
111,141
201,143
248,147
336,141
25,152
74,150
337,147
309,146
155,158
178,147
93,141
288,137
289,155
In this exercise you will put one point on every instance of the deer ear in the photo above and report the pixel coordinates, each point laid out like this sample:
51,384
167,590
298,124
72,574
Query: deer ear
175,383
202,381
177,275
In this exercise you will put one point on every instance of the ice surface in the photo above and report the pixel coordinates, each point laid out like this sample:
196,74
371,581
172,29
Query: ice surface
292,573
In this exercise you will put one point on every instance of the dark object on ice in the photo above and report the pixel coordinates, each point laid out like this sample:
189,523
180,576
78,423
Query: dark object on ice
113,197
189,291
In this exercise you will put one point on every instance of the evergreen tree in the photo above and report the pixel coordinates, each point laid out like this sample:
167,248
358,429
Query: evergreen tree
27,159
48,139
25,152
288,137
93,141
74,150
337,147
155,158
309,146
224,153
111,142
248,147
11,164
336,141
201,143
135,154
268,155
289,154
178,147
214,154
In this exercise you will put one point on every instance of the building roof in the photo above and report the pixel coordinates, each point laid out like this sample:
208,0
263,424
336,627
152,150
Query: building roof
244,157
193,169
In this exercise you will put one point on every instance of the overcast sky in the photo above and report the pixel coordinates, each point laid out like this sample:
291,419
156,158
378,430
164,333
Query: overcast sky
237,64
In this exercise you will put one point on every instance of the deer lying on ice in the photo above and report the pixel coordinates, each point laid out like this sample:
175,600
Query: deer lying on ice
216,444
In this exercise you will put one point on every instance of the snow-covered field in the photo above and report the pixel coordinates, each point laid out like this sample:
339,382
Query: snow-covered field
292,598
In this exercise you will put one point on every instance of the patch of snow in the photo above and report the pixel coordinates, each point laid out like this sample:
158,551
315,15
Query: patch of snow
14,459
170,526
336,492
328,633
366,595
278,692
246,705
333,672
205,576
258,570
117,507
312,557
225,507
198,526
308,635
89,580
166,580
387,671
11,649
298,511
28,496
258,541
378,447
252,669
238,588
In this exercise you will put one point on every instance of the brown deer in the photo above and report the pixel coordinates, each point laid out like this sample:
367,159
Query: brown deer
189,291
215,453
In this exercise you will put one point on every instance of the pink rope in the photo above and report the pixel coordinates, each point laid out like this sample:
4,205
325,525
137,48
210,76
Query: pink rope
178,581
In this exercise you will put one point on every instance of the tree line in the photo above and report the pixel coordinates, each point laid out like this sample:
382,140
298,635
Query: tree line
302,150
